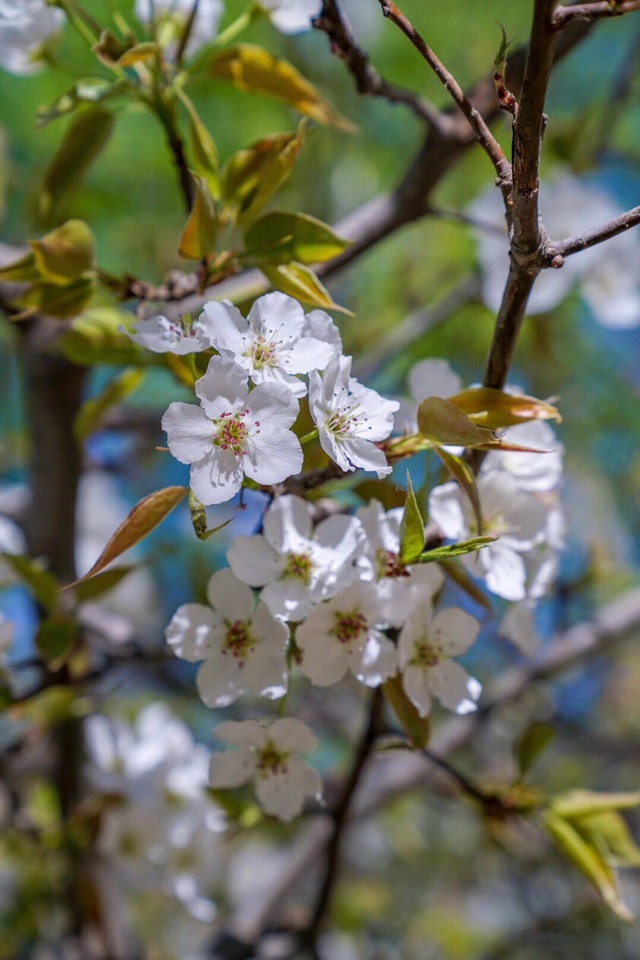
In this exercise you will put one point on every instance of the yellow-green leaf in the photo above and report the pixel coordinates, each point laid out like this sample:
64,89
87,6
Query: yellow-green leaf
66,254
417,728
531,743
300,281
102,583
91,414
23,270
443,423
203,148
281,237
141,520
56,639
496,409
42,584
583,803
58,301
455,549
199,519
412,534
83,140
96,337
251,177
249,67
199,235
589,860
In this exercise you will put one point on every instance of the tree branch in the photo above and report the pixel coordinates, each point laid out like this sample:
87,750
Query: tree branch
477,122
366,78
562,16
590,238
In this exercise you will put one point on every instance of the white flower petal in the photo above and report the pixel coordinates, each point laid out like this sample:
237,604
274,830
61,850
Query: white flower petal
232,598
415,681
453,686
232,768
254,561
189,432
192,632
242,733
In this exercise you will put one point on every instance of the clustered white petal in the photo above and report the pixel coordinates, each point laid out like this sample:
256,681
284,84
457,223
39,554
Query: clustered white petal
167,19
26,29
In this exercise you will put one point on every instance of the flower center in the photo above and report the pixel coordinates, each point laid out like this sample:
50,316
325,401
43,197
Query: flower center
238,639
263,353
271,760
232,432
389,564
342,422
349,626
425,655
299,567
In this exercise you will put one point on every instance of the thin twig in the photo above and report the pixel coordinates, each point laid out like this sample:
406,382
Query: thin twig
592,11
590,238
340,816
366,78
482,132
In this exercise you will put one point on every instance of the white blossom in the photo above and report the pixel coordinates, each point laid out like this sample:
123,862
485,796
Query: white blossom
167,19
398,586
243,645
536,472
350,418
296,565
607,273
518,625
26,29
426,645
346,633
268,756
272,343
161,335
12,541
234,432
518,518
291,16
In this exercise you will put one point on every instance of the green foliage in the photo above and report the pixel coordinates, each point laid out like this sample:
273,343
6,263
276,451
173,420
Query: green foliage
412,535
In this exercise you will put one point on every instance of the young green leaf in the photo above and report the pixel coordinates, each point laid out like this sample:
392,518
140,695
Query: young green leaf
464,475
83,141
199,519
281,237
249,67
412,534
66,254
443,423
495,409
417,728
42,584
203,148
455,549
199,235
301,282
532,742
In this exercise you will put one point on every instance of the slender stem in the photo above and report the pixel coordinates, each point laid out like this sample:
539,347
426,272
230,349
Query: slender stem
483,134
592,11
590,238
308,437
340,815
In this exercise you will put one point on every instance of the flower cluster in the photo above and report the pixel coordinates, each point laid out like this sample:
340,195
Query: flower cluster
249,396
27,27
158,824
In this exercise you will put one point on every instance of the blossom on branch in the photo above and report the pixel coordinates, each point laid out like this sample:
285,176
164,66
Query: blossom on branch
26,29
350,418
297,565
273,343
161,335
168,19
242,644
291,16
234,432
346,633
267,755
426,645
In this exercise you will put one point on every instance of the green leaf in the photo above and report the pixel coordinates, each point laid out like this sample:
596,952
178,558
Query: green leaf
141,520
583,803
496,409
88,90
251,177
443,423
412,534
300,282
199,235
56,639
102,583
199,519
417,728
249,67
589,860
531,743
42,584
203,148
464,475
281,237
83,141
455,549
58,301
66,254
95,337
610,834
23,270
92,412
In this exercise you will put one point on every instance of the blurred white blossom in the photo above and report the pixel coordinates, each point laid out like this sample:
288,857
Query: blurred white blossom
167,20
291,16
27,27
